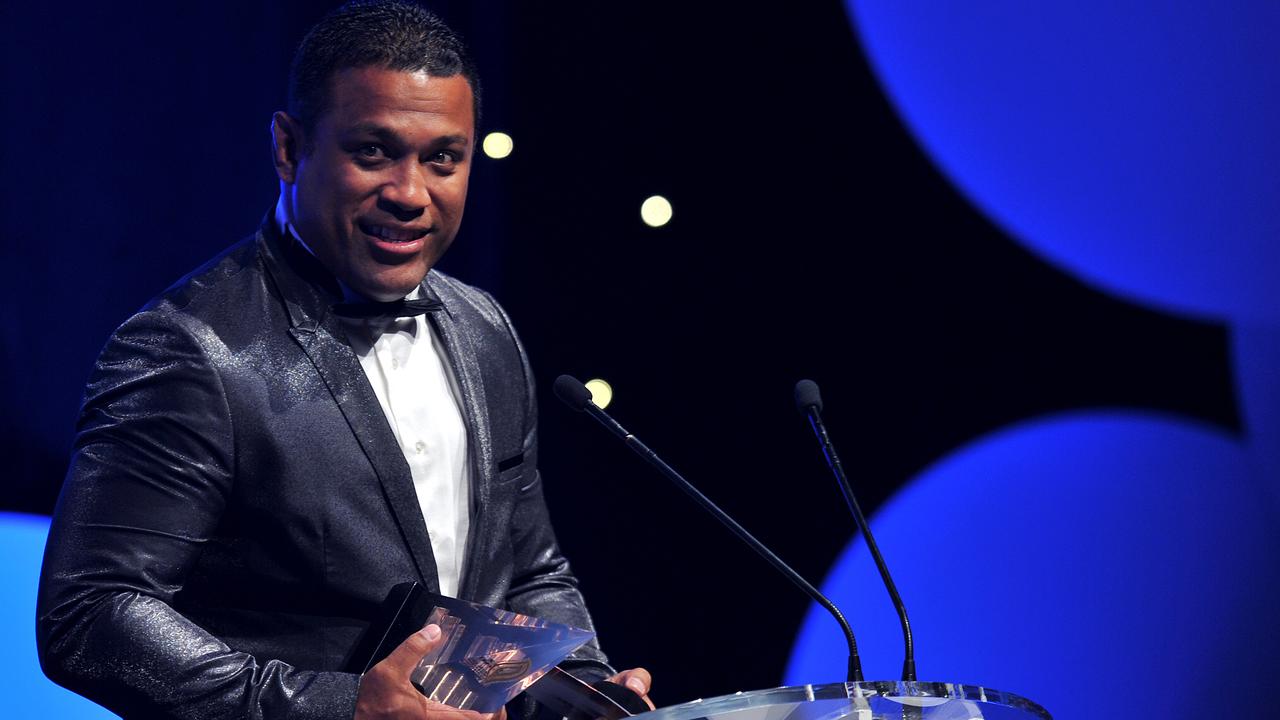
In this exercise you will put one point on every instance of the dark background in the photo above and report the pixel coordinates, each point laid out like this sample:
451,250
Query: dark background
811,238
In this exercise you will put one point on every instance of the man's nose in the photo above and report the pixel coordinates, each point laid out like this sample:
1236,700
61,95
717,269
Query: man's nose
406,194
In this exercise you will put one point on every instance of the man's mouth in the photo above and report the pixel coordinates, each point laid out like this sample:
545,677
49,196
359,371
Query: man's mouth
392,234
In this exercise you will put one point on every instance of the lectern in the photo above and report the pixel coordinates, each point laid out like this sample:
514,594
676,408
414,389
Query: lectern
875,700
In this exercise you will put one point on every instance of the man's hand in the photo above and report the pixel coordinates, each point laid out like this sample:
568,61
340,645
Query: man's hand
636,680
386,693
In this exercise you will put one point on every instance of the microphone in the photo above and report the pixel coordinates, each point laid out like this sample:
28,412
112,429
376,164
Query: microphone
809,403
577,396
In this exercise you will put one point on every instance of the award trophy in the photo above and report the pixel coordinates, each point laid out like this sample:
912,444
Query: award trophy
486,656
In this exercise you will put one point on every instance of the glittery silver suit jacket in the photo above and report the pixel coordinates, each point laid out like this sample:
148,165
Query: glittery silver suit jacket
237,506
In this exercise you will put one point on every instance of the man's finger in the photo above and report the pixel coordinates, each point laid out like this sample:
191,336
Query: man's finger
638,680
440,711
405,658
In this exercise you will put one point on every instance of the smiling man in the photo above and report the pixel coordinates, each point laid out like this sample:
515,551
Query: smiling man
379,187
309,419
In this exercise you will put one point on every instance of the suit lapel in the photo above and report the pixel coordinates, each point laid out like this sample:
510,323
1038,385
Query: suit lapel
461,350
345,378
320,336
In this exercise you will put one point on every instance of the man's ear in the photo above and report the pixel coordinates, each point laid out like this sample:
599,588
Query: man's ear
286,145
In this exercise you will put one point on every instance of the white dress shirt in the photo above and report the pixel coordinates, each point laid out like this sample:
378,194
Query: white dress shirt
420,397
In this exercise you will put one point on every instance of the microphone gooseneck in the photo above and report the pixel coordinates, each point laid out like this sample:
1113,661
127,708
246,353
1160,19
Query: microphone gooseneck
809,403
575,395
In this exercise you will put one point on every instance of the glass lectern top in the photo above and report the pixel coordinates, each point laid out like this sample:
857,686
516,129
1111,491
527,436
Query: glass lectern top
874,700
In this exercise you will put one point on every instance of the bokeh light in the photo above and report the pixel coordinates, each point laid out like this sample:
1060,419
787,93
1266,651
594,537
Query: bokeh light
498,145
601,392
656,211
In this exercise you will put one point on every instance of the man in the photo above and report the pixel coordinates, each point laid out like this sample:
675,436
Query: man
309,419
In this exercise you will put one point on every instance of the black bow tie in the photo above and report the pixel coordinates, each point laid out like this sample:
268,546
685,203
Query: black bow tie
394,309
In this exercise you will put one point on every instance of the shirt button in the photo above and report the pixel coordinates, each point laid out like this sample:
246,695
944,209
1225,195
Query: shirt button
420,447
395,363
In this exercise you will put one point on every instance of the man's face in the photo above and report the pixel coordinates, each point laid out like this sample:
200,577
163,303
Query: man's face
376,190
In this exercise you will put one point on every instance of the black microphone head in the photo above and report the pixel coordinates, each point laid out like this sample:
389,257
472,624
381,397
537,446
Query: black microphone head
807,396
572,392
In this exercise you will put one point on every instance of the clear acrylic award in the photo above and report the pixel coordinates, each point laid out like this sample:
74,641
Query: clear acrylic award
486,656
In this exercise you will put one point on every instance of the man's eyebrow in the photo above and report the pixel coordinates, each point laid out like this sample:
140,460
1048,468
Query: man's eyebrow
381,132
451,140
391,137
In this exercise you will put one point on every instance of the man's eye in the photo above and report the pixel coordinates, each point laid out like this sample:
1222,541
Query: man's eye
444,158
370,152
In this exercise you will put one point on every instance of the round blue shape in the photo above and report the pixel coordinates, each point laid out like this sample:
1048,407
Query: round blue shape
1102,565
26,692
1133,143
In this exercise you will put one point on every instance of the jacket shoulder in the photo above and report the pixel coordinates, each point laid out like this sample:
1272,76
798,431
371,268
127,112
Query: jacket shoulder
220,280
470,303
204,320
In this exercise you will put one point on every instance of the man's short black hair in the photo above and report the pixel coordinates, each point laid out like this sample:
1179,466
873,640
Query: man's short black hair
391,34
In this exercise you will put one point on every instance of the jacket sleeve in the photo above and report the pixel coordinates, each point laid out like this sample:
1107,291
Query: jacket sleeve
152,467
543,585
